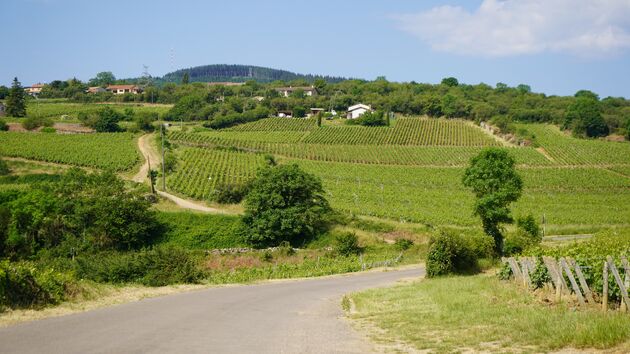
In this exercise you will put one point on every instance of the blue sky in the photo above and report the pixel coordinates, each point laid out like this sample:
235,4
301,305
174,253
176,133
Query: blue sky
555,46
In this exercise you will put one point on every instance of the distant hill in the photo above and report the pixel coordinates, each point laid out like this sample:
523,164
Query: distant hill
241,73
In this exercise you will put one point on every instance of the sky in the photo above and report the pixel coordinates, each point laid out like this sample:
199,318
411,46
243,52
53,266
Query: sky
555,46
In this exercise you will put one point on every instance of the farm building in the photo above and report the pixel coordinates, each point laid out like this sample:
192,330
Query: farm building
95,89
288,91
35,89
122,89
2,110
315,111
357,110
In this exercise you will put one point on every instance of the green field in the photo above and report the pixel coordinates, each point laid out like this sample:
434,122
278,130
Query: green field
416,176
115,151
66,111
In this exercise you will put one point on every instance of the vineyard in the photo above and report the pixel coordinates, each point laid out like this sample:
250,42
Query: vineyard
201,170
115,151
57,110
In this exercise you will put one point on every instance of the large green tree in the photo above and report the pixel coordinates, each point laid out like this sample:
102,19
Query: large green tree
493,179
284,204
584,117
102,79
16,100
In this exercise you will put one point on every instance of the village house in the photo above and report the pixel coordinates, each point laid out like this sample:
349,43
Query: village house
357,111
95,89
122,89
288,91
35,89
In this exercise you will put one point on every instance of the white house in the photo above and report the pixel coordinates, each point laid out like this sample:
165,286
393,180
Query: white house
122,89
34,90
357,110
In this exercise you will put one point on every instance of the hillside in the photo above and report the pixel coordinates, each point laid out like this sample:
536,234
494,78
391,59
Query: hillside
241,73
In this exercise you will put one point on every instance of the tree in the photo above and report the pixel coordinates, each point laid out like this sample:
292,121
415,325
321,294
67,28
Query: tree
628,128
450,81
494,181
584,117
104,121
4,92
16,100
522,88
186,78
103,78
284,204
587,94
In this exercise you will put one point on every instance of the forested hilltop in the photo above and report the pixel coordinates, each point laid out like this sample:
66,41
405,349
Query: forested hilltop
240,73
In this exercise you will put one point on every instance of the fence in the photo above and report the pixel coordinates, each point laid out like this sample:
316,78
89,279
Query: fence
567,277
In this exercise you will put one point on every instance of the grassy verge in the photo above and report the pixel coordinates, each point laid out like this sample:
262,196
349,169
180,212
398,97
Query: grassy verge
481,313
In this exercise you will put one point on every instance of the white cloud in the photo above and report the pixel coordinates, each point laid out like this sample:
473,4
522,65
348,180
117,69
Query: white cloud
513,27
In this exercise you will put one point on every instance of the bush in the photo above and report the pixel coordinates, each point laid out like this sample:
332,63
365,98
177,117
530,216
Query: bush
450,252
3,126
347,244
23,285
48,130
369,119
158,266
527,234
229,193
4,168
32,123
403,244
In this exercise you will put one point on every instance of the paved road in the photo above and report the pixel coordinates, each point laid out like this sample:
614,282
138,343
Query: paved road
280,317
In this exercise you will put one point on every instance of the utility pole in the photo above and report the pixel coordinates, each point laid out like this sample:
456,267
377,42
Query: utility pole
163,167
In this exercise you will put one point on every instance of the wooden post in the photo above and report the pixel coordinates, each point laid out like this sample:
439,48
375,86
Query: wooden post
605,287
552,273
622,287
525,269
515,269
583,283
576,288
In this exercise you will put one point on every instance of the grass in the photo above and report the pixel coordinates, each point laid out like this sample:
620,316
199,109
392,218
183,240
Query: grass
481,313
201,231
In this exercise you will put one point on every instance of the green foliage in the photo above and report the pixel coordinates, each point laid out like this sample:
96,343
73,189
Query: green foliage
585,119
90,211
284,204
541,275
450,252
529,227
450,81
347,244
200,231
229,193
144,121
104,121
370,119
16,100
187,108
158,266
403,244
496,184
3,126
32,123
4,168
103,79
22,285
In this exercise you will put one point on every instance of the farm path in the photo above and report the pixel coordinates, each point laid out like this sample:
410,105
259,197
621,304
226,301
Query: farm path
152,157
293,316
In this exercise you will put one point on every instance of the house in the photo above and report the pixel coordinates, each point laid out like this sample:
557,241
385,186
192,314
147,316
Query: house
122,89
95,89
288,91
357,111
315,111
2,110
35,89
285,114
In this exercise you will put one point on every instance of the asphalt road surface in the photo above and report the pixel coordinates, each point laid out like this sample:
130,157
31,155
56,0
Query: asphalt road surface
302,316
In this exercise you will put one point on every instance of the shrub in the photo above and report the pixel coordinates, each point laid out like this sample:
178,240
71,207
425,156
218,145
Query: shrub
48,130
158,266
23,285
347,244
3,126
403,244
4,168
450,252
229,193
32,123
527,234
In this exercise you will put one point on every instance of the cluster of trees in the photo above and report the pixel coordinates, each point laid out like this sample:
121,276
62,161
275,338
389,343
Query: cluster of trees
584,113
80,211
